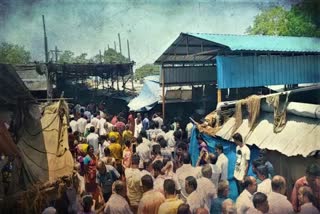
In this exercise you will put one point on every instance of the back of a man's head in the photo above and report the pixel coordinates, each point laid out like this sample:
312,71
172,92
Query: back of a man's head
147,182
135,159
260,202
169,187
223,188
184,209
186,159
206,171
262,172
157,165
278,184
228,207
201,210
119,187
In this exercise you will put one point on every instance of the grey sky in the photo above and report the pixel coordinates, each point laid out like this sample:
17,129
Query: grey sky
150,25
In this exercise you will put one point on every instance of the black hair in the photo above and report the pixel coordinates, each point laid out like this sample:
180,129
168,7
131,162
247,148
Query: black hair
135,159
143,133
313,170
247,181
259,198
169,186
219,146
147,181
192,182
184,209
127,143
186,159
139,139
157,165
92,129
237,137
263,170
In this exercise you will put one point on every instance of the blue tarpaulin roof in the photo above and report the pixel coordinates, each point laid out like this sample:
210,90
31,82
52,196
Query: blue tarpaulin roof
149,95
263,42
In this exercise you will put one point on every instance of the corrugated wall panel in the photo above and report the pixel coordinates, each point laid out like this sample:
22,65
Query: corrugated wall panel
189,75
252,71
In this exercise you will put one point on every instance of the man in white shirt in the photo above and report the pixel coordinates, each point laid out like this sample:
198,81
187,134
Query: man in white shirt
205,185
184,171
222,162
216,171
101,126
143,150
242,161
261,204
189,129
195,198
158,119
82,122
263,175
73,124
95,121
244,201
93,140
277,199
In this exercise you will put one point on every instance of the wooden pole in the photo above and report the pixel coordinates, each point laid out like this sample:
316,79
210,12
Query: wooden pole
219,95
115,46
163,94
119,43
131,69
100,56
45,40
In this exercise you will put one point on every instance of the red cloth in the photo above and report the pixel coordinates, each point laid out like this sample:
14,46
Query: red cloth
294,195
131,122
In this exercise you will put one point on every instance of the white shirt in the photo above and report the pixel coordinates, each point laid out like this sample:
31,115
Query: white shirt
159,120
159,181
244,202
189,129
102,130
88,126
117,205
196,200
143,150
169,137
137,129
240,167
265,186
308,208
182,173
93,140
208,190
81,124
74,125
222,163
279,203
94,122
216,172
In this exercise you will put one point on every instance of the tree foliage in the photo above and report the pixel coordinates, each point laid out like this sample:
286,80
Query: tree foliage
13,54
109,56
301,20
147,70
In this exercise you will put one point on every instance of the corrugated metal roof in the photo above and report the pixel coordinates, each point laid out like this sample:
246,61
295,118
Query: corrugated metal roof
252,71
299,137
262,42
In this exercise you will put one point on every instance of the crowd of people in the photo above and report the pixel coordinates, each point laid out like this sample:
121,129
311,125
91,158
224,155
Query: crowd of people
134,164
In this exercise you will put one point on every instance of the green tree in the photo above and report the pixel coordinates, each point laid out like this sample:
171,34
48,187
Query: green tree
66,57
82,58
13,54
147,70
294,22
110,56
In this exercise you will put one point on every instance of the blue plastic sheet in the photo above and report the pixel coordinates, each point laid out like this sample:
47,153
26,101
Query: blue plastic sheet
229,150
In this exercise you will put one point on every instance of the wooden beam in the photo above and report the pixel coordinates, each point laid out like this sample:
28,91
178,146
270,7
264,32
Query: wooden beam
163,94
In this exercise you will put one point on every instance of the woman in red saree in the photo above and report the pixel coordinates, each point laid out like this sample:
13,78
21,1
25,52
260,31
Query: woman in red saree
90,170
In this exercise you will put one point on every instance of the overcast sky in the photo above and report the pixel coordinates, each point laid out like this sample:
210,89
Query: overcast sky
150,25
